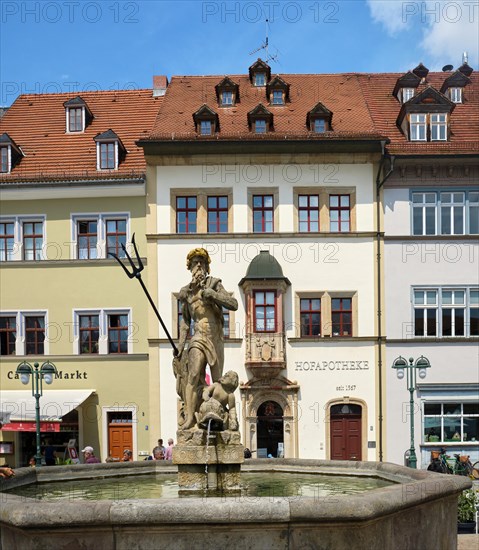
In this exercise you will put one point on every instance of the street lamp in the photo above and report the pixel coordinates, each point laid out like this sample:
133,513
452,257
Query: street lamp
39,373
419,366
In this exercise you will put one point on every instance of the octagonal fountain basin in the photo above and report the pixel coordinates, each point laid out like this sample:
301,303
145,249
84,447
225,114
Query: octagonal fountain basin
285,504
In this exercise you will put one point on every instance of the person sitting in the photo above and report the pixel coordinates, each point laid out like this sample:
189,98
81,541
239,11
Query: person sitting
89,456
127,456
6,472
156,454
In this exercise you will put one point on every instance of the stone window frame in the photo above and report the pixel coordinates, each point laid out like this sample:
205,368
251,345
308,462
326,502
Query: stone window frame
324,194
326,311
201,195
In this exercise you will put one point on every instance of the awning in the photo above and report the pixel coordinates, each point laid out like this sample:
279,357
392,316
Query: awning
54,404
20,426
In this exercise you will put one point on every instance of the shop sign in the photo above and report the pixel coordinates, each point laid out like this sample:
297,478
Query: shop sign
331,365
61,375
31,427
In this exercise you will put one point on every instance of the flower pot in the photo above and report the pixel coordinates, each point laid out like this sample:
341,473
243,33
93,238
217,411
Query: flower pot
466,528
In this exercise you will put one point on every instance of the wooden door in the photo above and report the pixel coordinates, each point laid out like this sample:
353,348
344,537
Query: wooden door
346,434
120,437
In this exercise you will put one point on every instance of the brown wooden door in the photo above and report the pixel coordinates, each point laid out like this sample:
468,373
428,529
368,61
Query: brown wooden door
346,437
120,437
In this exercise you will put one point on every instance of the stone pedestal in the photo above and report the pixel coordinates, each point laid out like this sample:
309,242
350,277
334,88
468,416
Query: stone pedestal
208,464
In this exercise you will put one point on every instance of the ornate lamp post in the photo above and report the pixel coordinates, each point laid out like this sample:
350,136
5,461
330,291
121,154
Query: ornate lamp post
419,366
39,373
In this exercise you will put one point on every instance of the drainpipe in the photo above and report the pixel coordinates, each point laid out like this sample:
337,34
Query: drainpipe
379,184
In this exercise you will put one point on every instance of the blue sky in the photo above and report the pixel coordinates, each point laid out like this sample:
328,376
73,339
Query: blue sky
74,45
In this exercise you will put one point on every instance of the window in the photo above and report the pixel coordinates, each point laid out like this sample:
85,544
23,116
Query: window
260,126
186,214
107,156
451,422
34,335
445,213
407,94
89,333
452,213
115,237
339,213
8,335
218,214
260,79
87,240
75,119
265,311
319,125
32,240
310,317
438,127
424,213
7,241
341,316
453,312
118,333
277,97
455,95
226,98
473,213
226,322
205,127
446,312
263,213
4,160
308,213
418,128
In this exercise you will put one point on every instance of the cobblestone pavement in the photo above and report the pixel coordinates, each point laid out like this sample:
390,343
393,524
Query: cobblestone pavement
467,542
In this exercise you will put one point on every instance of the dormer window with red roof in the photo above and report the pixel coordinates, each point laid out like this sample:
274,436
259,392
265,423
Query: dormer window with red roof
318,120
206,121
425,117
406,86
260,120
277,91
453,86
78,115
259,73
10,154
227,92
110,151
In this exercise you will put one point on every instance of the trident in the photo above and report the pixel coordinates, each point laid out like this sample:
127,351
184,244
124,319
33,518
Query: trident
136,272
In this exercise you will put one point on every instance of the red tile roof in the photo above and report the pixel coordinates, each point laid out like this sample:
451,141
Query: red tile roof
37,125
363,107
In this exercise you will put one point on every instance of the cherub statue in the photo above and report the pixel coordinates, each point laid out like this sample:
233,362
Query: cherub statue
219,404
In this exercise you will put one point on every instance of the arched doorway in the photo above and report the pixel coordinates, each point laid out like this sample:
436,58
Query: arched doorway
270,433
345,426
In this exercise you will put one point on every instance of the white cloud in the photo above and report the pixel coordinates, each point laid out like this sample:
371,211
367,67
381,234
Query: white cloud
389,13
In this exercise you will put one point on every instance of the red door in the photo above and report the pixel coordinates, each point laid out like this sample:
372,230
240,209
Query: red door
120,437
345,432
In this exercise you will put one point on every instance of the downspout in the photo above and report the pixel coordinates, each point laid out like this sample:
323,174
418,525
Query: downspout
379,184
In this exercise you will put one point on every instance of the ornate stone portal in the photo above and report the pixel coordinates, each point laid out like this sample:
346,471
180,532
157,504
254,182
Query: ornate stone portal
209,453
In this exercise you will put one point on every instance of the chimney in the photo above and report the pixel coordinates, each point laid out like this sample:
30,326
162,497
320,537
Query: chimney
160,83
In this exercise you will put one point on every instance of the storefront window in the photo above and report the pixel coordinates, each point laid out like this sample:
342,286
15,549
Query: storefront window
451,422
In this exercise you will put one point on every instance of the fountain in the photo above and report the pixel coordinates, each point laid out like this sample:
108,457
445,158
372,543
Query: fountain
417,509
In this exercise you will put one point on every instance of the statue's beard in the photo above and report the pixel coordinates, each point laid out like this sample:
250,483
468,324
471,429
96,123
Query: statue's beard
198,275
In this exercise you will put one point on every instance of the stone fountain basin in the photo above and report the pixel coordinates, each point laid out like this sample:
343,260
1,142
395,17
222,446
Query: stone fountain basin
419,511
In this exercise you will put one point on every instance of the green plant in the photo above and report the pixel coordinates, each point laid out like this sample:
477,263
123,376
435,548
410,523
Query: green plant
466,506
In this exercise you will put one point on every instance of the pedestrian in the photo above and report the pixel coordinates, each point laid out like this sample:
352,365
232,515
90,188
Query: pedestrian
50,453
127,456
89,456
160,444
169,450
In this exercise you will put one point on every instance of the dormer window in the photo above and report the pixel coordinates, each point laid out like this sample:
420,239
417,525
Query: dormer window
109,150
206,121
259,73
10,154
455,95
78,115
227,92
407,93
260,79
277,97
260,126
318,120
260,120
425,117
277,91
406,86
